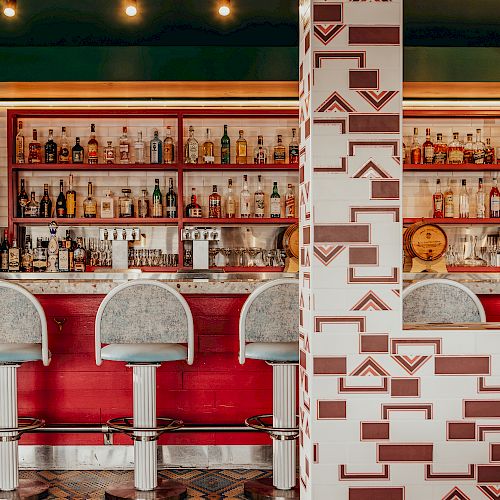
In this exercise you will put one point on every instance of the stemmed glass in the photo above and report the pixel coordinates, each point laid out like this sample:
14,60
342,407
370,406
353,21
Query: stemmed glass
213,251
252,253
227,253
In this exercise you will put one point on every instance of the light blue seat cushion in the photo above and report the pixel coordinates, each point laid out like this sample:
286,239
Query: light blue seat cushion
144,353
19,353
273,351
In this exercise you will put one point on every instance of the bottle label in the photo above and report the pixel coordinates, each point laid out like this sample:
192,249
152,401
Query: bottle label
440,156
495,203
50,157
290,206
124,153
4,260
168,151
438,204
242,150
259,205
109,155
64,260
479,156
171,212
275,207
279,156
64,155
245,206
106,209
260,157
90,209
231,208
195,212
209,159
13,259
27,261
224,154
20,149
70,204
78,156
429,154
489,156
448,206
456,156
157,209
155,153
293,154
92,153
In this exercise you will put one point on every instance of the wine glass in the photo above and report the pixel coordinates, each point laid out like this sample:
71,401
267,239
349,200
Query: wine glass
227,253
213,251
252,253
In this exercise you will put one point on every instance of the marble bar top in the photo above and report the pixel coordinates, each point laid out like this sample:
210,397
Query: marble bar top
104,282
479,283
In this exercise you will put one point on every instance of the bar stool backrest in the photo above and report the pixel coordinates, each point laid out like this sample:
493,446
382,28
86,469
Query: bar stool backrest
271,314
144,311
22,318
441,301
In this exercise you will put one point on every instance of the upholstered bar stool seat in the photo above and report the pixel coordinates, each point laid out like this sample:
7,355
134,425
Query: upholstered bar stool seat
144,323
269,331
23,338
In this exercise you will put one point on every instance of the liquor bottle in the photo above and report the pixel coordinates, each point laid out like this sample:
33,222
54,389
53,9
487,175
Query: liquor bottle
14,257
192,149
259,199
405,154
440,150
4,253
415,150
480,201
279,153
225,148
168,147
156,149
489,152
77,154
70,245
260,152
463,201
215,204
31,210
207,149
107,206
245,199
50,148
139,149
109,152
469,150
20,144
39,257
64,149
230,201
90,204
438,201
157,200
124,147
494,200
479,148
80,256
35,149
126,204
92,147
52,249
22,200
241,149
27,256
275,205
70,199
455,150
143,205
428,147
45,203
449,202
63,257
193,209
290,202
61,201
293,148
171,200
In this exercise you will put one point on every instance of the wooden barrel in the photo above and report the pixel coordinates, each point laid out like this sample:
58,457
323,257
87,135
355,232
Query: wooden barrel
425,241
291,241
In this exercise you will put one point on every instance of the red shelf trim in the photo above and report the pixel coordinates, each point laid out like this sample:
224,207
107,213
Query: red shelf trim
412,220
217,222
449,167
78,221
473,269
248,166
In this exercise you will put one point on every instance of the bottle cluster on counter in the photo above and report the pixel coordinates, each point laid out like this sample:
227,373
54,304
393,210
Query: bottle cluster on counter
161,151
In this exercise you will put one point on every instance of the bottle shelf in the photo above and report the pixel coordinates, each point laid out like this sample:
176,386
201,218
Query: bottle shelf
47,167
450,167
250,220
451,221
241,168
83,221
473,269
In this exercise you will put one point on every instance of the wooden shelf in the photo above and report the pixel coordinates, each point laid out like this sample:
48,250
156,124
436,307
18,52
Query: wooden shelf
473,269
241,168
450,221
252,220
86,167
82,221
449,167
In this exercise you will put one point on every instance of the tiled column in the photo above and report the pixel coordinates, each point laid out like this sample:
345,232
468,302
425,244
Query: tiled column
350,214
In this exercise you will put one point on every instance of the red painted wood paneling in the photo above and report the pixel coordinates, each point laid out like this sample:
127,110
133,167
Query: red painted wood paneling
491,304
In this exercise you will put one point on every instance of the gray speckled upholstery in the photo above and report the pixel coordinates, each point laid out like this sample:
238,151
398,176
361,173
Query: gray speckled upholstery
144,314
439,303
274,315
19,320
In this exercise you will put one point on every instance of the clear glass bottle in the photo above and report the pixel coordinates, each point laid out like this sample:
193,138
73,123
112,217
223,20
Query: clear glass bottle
275,204
259,199
124,147
455,150
469,150
449,202
157,200
279,151
480,200
225,148
193,209
479,149
290,202
293,148
215,204
494,200
139,149
156,149
64,149
50,148
463,201
77,153
32,208
35,149
109,153
208,150
171,201
14,257
428,147
39,257
192,149
143,205
126,203
260,152
415,149
440,150
489,152
20,143
80,256
241,149
230,201
70,199
27,256
107,206
45,207
245,200
438,201
22,200
92,147
90,203
168,147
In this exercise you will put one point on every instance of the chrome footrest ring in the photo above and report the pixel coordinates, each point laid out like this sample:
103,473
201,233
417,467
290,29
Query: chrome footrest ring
25,424
125,425
258,422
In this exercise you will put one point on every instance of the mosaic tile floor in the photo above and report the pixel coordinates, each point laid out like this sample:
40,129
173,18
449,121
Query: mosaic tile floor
90,485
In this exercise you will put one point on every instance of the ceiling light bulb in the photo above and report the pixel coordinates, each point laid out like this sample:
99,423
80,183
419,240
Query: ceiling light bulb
10,8
225,9
131,8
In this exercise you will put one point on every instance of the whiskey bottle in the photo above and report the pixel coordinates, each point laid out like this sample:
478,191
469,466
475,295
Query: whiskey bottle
207,149
80,256
455,150
34,149
124,147
225,148
192,149
290,202
449,202
14,257
70,199
230,201
50,148
245,199
193,209
241,149
63,263
71,246
428,147
260,152
45,203
61,201
156,149
27,256
259,199
293,148
157,200
415,150
64,149
480,201
489,152
77,152
494,200
22,200
109,153
469,150
39,257
275,205
479,148
92,147
139,149
143,205
126,204
171,200
279,153
107,206
168,147
32,210
90,204
440,150
20,144
4,253
463,201
438,201
215,204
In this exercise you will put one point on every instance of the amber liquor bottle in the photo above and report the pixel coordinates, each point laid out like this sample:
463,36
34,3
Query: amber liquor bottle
215,204
34,149
469,150
428,147
438,201
455,150
92,147
440,150
489,152
415,150
194,209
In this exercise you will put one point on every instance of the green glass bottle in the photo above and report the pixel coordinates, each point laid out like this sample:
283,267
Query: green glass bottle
157,200
225,148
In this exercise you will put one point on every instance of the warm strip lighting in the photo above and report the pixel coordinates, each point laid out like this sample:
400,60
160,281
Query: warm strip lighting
450,103
131,8
225,8
9,9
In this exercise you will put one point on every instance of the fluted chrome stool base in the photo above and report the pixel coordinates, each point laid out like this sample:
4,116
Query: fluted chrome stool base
166,490
28,489
263,489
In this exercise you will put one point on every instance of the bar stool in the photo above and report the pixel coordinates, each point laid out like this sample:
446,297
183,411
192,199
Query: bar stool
23,338
269,322
144,323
